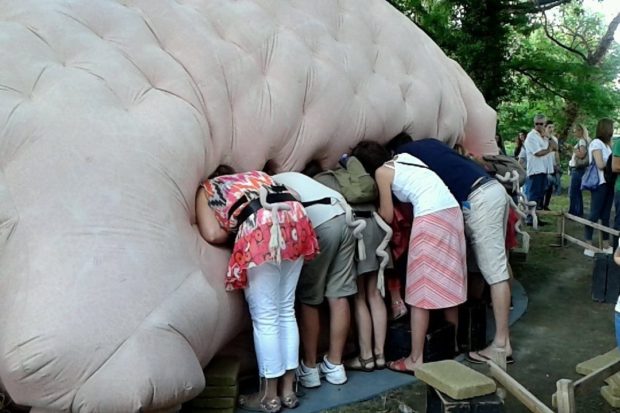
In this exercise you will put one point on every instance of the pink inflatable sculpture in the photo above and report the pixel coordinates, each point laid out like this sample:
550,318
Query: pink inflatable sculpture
112,112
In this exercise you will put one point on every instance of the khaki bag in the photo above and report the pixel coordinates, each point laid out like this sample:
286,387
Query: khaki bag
355,184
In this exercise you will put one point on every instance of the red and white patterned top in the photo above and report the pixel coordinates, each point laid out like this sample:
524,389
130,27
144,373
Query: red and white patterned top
252,241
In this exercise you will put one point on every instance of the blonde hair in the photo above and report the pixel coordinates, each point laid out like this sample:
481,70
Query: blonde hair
583,128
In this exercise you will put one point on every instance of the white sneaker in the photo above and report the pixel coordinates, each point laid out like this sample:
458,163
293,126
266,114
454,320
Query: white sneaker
334,374
588,253
308,377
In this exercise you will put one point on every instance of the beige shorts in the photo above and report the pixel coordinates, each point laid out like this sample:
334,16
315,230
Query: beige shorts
331,273
486,218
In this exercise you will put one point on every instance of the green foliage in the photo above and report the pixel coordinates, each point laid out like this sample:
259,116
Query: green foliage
525,62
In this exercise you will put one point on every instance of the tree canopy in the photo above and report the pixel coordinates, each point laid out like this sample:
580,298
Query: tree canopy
549,56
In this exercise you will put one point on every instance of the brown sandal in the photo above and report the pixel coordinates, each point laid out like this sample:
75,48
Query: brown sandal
360,364
254,403
290,401
399,309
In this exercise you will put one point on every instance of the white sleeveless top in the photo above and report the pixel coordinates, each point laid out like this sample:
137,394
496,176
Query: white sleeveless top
420,186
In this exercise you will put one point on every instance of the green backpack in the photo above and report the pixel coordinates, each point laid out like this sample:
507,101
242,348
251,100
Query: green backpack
354,183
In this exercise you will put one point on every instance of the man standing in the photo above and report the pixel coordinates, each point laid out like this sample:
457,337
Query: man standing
537,147
485,207
329,276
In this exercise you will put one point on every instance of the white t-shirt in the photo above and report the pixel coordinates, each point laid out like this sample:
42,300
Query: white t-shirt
573,159
523,158
420,186
550,157
533,144
311,190
598,144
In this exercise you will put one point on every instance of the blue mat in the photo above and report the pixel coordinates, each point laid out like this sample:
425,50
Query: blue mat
364,386
360,386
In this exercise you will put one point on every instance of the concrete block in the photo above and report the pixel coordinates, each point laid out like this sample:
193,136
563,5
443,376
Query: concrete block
219,391
194,409
214,403
437,402
222,371
456,380
608,395
589,366
614,384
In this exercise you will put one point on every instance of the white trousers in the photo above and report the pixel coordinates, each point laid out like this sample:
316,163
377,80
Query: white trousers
270,294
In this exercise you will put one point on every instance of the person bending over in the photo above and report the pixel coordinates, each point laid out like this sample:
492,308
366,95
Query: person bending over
437,267
272,237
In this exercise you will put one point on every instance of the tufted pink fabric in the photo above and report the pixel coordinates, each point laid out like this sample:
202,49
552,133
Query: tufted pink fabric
111,113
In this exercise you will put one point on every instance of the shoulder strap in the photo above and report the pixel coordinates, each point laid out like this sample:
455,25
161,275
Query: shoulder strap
412,164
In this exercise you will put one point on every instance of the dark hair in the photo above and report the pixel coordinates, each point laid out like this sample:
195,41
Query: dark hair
523,131
398,140
371,154
270,167
605,129
312,168
222,170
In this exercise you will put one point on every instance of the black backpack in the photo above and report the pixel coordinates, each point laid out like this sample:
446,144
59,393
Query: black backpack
608,173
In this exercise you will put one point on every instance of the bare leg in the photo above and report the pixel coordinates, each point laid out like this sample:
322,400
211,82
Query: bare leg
287,383
398,306
500,295
364,323
419,325
310,328
452,316
378,312
340,320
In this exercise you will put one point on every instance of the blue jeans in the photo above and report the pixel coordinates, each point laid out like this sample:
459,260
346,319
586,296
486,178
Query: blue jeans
558,178
538,185
600,208
617,329
574,194
616,217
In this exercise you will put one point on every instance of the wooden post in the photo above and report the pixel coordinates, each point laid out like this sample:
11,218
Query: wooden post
565,396
563,230
517,390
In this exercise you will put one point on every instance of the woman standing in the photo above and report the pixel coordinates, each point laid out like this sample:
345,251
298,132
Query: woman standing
603,196
272,236
436,264
577,165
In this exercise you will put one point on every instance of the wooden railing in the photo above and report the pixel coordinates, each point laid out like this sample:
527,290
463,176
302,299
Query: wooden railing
562,217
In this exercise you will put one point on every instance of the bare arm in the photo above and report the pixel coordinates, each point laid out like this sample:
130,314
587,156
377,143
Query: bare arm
617,256
551,148
597,155
207,223
615,164
384,177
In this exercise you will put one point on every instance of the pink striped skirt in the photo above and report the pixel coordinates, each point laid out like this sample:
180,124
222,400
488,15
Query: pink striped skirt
437,263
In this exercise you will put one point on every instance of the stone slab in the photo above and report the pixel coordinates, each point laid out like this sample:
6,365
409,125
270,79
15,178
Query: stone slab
214,403
456,380
219,391
608,395
194,409
222,371
614,384
598,362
